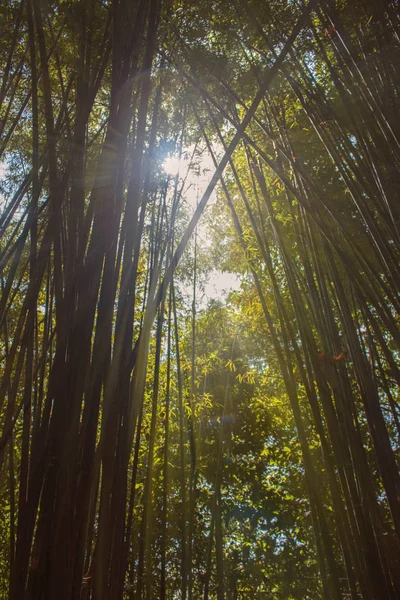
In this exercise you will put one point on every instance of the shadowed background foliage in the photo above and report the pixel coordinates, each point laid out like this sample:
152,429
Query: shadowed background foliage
152,444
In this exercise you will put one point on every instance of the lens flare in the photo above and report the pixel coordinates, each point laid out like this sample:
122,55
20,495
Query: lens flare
171,165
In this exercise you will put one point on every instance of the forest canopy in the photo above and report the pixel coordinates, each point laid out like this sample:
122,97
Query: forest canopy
158,441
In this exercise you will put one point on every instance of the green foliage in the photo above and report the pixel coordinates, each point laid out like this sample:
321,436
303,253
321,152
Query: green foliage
152,446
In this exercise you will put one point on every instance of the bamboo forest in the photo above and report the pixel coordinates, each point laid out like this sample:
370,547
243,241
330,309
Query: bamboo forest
200,300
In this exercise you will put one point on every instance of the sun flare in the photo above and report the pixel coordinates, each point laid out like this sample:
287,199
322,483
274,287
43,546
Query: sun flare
172,165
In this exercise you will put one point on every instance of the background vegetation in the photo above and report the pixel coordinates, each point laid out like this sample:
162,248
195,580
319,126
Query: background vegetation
153,445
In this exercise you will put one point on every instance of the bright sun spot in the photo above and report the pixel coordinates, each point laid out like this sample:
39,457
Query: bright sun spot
171,165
